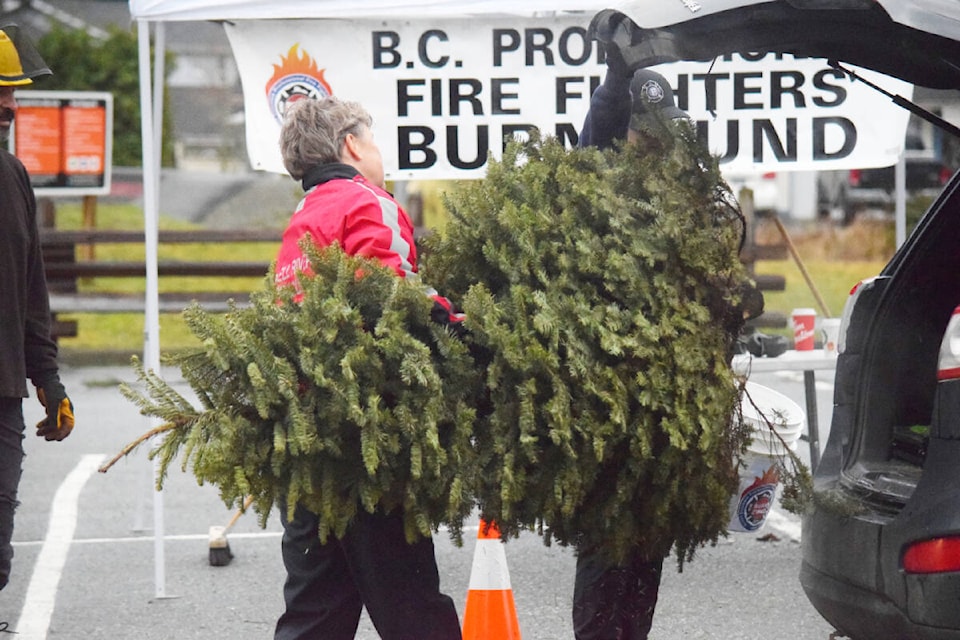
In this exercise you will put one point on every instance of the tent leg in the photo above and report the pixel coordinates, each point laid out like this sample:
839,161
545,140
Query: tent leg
150,132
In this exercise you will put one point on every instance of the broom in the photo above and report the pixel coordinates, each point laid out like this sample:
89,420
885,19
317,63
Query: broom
219,548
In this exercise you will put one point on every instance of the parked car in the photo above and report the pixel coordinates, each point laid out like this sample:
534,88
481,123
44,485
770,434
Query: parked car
881,543
846,194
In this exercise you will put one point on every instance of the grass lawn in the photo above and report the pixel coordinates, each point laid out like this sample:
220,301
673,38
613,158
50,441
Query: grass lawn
832,279
835,257
116,335
119,335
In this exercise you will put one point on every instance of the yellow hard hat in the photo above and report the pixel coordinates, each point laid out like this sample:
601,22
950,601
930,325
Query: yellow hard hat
19,60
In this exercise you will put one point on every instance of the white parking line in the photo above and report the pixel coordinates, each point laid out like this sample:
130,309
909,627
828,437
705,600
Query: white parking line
190,537
42,592
180,537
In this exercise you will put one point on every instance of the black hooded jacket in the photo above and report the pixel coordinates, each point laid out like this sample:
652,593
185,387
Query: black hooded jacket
26,348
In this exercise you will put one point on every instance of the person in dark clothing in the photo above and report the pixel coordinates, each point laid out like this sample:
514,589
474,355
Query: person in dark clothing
328,145
26,348
628,103
617,602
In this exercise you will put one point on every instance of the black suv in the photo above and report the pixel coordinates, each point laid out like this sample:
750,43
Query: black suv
881,546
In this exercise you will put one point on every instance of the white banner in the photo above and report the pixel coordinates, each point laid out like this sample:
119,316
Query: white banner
444,93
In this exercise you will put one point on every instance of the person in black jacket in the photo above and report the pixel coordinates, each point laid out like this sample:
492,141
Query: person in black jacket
617,602
629,103
26,348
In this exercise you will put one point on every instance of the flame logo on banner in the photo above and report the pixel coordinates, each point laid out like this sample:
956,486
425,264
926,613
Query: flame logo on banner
295,78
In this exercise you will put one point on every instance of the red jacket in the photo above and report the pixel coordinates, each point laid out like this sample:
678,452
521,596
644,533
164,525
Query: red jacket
342,206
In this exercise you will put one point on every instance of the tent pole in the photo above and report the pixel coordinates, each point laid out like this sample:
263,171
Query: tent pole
900,200
159,62
151,344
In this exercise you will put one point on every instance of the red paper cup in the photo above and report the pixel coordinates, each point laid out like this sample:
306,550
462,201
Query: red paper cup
804,323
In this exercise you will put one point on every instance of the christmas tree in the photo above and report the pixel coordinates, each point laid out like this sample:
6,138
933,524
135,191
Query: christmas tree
606,288
591,398
348,398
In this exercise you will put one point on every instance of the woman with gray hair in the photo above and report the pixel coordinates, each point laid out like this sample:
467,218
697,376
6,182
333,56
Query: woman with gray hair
328,145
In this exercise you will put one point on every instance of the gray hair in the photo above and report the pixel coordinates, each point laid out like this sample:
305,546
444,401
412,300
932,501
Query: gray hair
313,132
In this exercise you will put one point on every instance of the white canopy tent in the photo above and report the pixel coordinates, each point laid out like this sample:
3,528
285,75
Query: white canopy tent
183,10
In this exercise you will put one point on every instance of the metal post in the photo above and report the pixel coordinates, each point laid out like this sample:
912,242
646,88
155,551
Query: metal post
813,427
151,343
900,189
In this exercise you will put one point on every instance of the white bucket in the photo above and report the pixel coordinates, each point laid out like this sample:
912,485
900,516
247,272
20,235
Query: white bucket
761,405
759,473
759,478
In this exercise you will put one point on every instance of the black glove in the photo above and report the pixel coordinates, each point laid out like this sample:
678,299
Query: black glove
443,313
59,421
603,28
760,344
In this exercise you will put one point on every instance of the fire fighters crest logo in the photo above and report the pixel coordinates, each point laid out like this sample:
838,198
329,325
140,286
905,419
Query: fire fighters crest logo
757,499
652,91
296,77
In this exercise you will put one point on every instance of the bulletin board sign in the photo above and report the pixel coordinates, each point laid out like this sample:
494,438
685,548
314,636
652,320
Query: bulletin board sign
65,140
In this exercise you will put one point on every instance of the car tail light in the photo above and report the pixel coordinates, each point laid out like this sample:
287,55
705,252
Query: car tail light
949,366
848,307
853,178
938,555
769,175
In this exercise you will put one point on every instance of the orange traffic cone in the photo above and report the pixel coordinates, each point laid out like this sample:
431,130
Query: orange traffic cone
490,613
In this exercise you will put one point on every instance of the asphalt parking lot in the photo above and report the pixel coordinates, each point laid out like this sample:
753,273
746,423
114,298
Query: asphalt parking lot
88,565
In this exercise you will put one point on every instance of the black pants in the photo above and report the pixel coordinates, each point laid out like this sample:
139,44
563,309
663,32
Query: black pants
614,603
11,462
371,566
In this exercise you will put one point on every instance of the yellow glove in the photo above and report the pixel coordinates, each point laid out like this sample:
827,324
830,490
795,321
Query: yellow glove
59,421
